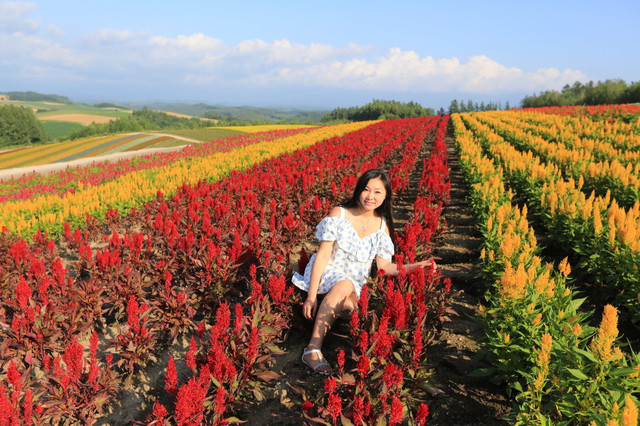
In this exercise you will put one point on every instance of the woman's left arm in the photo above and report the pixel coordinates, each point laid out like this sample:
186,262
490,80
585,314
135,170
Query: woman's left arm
391,268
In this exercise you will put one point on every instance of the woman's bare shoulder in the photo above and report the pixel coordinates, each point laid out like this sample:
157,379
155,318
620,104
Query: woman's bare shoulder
335,212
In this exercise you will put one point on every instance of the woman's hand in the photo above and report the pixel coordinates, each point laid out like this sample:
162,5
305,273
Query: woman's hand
309,308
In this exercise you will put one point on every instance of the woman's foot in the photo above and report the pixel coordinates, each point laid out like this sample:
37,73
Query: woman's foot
314,359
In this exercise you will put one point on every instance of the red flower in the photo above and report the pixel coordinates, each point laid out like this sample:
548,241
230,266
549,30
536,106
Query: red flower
422,414
334,406
238,318
190,403
220,401
396,411
23,293
392,375
27,407
13,376
358,411
363,366
191,354
330,385
307,406
171,381
73,357
159,413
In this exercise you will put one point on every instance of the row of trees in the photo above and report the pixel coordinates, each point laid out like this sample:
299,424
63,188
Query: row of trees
37,97
139,121
19,126
460,106
378,110
602,93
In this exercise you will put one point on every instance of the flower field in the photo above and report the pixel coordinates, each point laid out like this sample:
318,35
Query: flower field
209,265
165,279
560,367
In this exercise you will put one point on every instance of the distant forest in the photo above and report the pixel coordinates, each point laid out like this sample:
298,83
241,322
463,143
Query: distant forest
601,93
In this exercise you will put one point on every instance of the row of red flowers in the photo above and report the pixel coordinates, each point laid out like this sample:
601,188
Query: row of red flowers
68,180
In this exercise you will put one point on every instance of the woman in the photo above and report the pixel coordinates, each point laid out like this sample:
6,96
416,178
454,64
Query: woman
351,237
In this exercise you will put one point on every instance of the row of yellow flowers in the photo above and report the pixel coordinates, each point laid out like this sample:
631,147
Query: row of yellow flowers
49,212
619,171
603,137
560,368
603,234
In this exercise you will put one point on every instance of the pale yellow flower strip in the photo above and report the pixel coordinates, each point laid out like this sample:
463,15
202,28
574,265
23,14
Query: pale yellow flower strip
265,128
49,212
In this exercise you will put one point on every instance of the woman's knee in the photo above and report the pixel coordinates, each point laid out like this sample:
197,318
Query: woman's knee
343,289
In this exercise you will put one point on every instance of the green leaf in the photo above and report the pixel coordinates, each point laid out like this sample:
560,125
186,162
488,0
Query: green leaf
578,374
483,372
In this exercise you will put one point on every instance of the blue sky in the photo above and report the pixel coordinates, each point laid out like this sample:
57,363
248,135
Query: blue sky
314,54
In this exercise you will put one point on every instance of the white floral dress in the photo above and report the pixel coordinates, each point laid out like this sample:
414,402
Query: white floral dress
352,256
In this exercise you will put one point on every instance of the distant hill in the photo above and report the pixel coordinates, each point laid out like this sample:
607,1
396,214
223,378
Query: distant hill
37,97
240,113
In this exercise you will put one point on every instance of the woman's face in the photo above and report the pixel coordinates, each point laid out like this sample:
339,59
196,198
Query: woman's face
373,195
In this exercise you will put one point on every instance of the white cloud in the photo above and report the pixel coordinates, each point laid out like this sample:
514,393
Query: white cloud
201,61
14,17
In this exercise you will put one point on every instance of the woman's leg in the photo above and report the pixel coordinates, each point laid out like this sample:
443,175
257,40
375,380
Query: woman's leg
341,296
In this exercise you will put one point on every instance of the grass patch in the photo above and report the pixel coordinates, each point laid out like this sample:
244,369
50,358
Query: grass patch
59,129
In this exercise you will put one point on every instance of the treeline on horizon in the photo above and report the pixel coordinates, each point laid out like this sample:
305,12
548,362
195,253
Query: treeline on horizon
614,91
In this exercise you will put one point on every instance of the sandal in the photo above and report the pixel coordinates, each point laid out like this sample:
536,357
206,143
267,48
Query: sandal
321,362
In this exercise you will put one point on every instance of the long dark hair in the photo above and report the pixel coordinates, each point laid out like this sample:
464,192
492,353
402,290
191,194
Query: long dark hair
386,208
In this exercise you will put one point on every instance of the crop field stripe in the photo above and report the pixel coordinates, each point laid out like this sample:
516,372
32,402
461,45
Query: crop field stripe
42,154
89,151
48,212
149,143
128,144
117,145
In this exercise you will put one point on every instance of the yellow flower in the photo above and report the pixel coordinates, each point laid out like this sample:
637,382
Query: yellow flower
629,412
513,282
577,329
564,267
602,343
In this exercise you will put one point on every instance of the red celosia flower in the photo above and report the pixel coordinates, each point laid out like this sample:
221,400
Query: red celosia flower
307,406
159,413
330,385
363,366
73,357
363,302
363,342
219,402
13,376
392,375
132,314
223,318
252,349
383,340
396,411
238,318
23,293
354,323
358,411
190,403
191,354
334,406
171,381
27,407
6,407
422,414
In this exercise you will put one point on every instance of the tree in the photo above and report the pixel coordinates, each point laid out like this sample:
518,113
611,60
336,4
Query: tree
19,126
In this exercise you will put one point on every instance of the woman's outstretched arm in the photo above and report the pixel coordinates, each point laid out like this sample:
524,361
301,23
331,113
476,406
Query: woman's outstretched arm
391,268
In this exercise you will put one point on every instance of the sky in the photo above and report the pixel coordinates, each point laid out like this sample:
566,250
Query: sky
315,55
